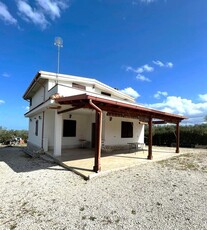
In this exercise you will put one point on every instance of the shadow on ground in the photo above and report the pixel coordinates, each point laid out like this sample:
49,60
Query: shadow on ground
19,161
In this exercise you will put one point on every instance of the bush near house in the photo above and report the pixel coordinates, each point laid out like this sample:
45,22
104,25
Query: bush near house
8,136
190,136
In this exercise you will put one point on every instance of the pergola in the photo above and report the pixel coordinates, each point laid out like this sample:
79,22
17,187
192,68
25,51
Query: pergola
116,108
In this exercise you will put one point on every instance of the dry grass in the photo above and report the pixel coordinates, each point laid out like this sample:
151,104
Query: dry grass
189,161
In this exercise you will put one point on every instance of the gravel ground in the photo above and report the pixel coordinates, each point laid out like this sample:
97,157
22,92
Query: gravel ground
35,194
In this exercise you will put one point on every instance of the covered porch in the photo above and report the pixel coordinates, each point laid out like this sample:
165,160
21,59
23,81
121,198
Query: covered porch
81,161
114,108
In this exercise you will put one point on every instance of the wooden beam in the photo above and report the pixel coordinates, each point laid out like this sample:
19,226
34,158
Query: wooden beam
71,109
150,140
159,122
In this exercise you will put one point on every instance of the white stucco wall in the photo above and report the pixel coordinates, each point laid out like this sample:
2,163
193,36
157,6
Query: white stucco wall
49,127
112,134
51,89
32,137
38,98
83,129
67,90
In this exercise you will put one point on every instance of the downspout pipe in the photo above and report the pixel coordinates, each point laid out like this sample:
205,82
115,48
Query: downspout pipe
97,165
95,106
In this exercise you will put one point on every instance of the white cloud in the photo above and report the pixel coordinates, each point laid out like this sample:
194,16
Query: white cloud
147,69
141,69
144,68
5,74
147,1
182,106
5,14
53,8
131,92
29,14
141,77
169,64
41,11
159,94
2,102
26,108
161,64
203,97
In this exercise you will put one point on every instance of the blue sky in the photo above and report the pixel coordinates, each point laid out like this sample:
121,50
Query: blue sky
154,50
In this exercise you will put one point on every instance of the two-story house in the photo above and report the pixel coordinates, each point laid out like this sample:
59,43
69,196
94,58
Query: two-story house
69,111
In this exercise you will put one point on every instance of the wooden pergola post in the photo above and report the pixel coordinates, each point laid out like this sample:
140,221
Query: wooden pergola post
97,159
98,133
150,139
177,137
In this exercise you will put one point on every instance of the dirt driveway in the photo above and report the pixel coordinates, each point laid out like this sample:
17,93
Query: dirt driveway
170,194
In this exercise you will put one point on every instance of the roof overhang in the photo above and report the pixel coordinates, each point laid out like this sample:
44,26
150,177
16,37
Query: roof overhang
36,83
49,104
119,109
41,77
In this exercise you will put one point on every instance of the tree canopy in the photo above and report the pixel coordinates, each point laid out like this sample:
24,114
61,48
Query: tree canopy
6,135
165,135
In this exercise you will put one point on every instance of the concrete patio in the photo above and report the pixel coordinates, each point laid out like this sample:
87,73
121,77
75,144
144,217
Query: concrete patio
81,161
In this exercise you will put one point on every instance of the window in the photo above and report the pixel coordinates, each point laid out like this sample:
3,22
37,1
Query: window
69,128
30,102
78,86
36,128
105,93
126,129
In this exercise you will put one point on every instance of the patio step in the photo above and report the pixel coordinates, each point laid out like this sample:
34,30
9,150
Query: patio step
32,153
48,158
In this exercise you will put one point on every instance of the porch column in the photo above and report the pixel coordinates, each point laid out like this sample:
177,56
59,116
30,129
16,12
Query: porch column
177,137
57,134
150,140
97,160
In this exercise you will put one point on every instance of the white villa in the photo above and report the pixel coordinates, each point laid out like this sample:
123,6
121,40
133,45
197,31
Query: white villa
70,111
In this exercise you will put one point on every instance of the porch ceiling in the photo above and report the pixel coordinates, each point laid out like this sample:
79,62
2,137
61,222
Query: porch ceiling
118,109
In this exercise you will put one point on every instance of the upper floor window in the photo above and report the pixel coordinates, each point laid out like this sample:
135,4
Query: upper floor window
78,86
30,102
106,94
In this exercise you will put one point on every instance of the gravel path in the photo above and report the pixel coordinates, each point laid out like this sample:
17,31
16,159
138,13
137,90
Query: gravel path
35,194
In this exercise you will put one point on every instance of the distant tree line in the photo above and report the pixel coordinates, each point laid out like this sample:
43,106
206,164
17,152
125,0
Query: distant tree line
190,136
6,135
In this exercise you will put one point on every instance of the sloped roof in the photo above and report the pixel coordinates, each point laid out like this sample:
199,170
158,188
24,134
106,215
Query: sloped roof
43,76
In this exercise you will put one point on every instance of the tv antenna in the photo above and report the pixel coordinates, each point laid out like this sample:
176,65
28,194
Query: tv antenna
59,43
